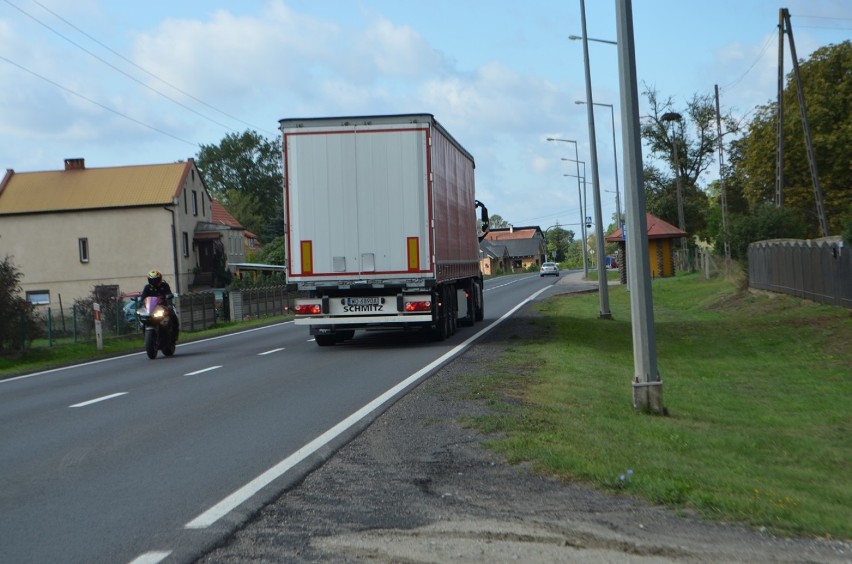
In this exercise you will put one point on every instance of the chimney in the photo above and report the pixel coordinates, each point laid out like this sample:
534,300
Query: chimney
75,164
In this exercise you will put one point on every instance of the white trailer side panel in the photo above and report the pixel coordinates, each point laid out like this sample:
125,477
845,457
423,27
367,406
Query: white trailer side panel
358,202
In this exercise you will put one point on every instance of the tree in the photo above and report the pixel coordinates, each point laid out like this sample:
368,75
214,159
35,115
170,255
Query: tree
558,241
272,253
14,309
696,137
764,222
244,173
497,222
827,87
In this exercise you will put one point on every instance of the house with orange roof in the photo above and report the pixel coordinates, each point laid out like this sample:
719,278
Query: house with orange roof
661,238
79,229
513,249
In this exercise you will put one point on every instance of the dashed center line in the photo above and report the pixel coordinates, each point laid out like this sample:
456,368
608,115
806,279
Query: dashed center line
203,370
96,400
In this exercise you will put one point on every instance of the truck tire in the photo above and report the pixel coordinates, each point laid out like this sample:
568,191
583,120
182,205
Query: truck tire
480,303
467,320
326,340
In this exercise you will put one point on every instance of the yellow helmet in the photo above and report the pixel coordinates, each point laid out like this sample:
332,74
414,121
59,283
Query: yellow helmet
155,277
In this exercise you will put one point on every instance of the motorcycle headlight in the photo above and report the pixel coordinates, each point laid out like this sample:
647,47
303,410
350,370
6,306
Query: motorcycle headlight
159,313
141,312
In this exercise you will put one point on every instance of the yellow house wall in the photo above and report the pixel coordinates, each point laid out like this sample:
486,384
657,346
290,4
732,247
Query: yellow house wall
124,244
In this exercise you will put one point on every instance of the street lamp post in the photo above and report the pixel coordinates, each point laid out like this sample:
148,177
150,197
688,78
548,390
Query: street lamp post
647,384
619,220
580,195
670,117
603,290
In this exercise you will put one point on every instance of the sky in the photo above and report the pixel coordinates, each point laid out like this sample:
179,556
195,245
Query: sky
126,83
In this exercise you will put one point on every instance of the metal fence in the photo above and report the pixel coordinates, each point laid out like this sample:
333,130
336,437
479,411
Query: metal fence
51,326
819,270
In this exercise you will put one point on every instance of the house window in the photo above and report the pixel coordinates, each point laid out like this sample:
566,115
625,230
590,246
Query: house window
83,244
203,205
194,202
38,297
185,244
185,200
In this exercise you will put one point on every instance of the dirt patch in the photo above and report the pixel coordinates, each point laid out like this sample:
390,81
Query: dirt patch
416,486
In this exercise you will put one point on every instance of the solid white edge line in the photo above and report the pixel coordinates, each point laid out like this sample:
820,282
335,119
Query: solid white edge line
96,400
91,362
244,493
152,557
270,352
203,370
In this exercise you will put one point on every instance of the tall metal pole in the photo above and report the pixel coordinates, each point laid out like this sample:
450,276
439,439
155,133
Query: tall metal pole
723,191
580,196
668,117
620,222
619,219
647,384
603,290
779,154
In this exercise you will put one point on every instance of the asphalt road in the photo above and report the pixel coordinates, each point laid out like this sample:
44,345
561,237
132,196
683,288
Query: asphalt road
130,459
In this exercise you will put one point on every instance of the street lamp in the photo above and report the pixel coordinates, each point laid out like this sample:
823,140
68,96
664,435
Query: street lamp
603,290
671,117
620,220
580,196
576,37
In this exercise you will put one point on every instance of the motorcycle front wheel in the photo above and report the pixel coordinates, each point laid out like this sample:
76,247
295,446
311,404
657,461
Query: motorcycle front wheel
151,344
169,348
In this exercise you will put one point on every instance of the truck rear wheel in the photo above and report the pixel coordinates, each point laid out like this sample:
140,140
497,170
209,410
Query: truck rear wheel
326,340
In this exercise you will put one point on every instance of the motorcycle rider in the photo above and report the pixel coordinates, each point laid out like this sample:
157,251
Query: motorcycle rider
158,287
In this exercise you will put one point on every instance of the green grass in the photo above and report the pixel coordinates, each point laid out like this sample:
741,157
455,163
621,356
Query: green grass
758,389
44,358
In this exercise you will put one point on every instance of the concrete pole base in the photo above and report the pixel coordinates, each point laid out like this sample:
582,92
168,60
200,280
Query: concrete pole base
648,397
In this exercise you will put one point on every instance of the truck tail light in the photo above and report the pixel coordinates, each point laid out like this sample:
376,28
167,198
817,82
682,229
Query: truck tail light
308,309
418,306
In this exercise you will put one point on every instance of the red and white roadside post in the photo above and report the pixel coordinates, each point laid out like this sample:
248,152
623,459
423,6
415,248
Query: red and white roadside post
99,328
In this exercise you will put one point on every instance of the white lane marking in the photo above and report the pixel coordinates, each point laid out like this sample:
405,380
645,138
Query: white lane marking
203,370
71,366
96,400
152,557
270,352
244,493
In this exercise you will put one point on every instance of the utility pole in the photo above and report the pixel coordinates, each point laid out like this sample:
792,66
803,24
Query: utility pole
809,143
779,155
647,384
603,290
722,189
667,117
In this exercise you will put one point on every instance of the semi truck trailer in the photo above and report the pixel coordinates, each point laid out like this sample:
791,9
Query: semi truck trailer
382,229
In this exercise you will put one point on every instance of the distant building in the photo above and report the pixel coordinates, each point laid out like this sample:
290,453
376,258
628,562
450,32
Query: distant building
515,249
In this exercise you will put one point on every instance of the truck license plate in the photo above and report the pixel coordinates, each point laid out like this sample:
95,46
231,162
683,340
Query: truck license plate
363,301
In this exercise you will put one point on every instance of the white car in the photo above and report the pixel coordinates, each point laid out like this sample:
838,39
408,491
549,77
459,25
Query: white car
549,268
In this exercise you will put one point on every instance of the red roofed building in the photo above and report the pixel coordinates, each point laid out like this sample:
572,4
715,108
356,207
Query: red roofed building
513,249
661,238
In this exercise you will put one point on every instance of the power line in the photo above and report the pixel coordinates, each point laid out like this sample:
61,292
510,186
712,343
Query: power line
96,103
131,77
146,71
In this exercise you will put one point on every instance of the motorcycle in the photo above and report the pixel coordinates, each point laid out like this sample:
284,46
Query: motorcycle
161,326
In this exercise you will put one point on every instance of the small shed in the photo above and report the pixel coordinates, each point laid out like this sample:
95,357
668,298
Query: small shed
661,243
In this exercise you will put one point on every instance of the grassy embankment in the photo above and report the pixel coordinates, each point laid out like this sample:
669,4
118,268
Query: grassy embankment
758,388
